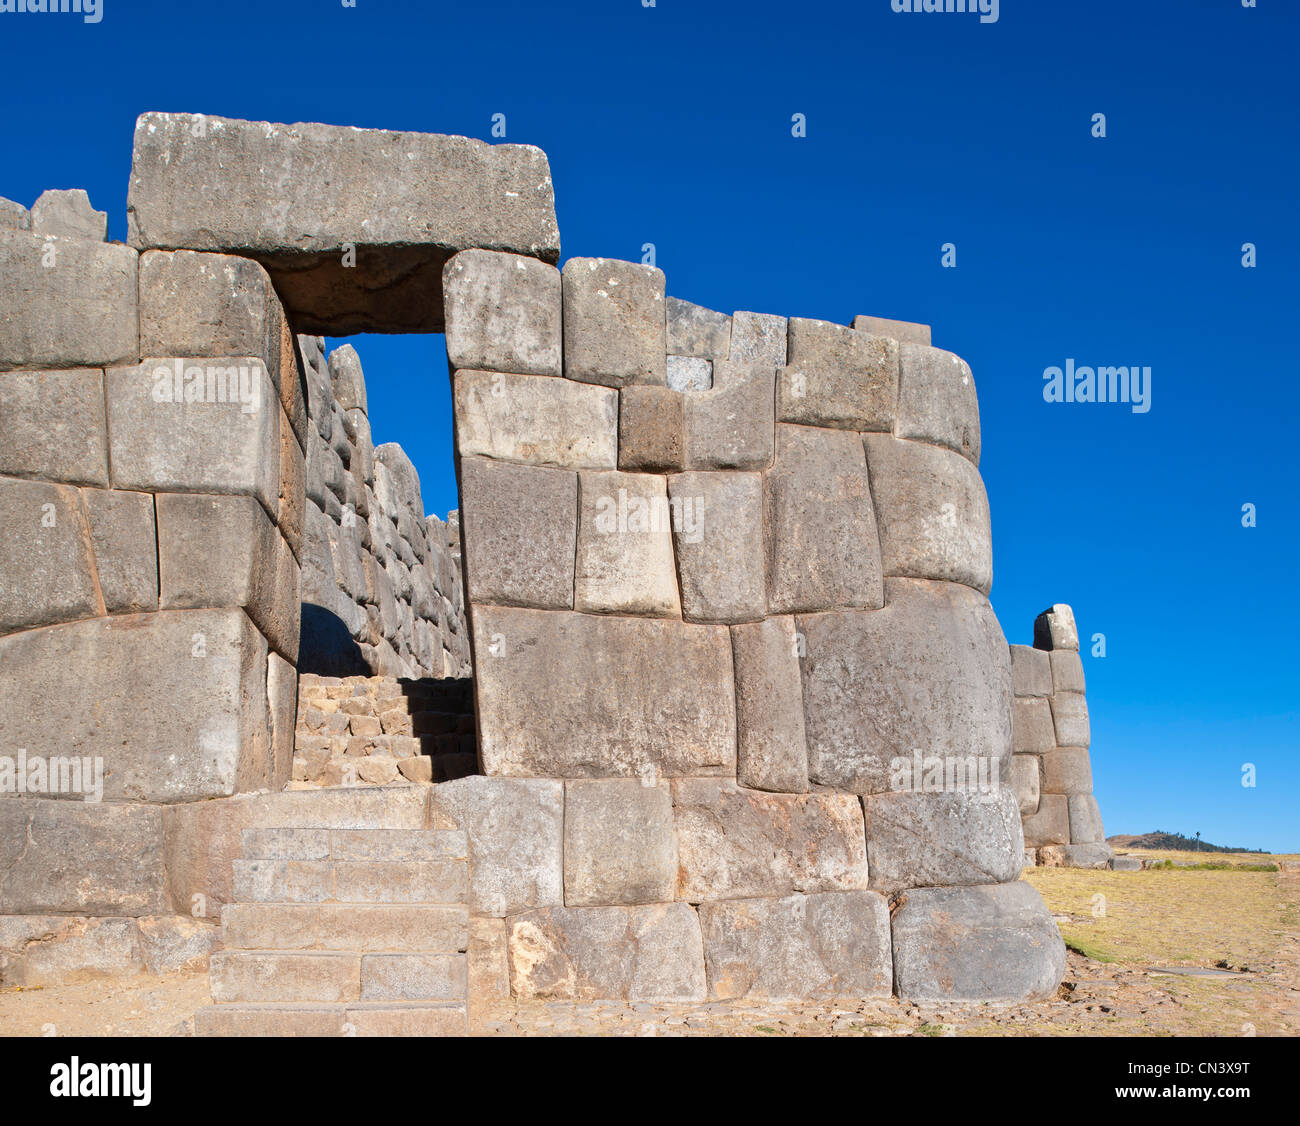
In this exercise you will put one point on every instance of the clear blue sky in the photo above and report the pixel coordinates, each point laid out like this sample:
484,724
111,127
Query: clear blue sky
671,125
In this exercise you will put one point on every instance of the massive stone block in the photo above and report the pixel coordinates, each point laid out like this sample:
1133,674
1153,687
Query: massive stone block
1025,780
719,542
736,844
403,203
520,533
798,947
937,400
976,944
771,752
126,548
1067,670
615,326
54,426
932,512
536,419
651,953
906,332
1031,725
1070,714
1085,820
1067,770
46,570
577,695
68,303
730,426
822,547
1031,671
696,331
67,213
1050,825
651,429
930,672
503,313
759,340
188,720
838,377
1055,629
14,216
618,842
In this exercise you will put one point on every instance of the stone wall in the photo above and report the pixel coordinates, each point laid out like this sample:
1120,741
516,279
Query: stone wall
1050,733
381,584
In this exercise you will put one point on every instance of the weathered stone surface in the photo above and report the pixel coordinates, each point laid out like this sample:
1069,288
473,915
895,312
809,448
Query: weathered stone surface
536,419
730,426
177,943
80,858
405,202
503,313
1067,670
258,975
618,842
759,339
1070,714
1026,781
689,373
208,446
345,926
273,1020
281,707
608,953
932,513
68,303
615,326
736,844
929,671
822,546
696,331
521,526
126,548
838,377
937,400
1067,770
54,426
1031,672
976,944
291,507
406,1019
771,751
1085,820
1031,726
577,695
404,477
46,573
798,947
651,429
488,960
189,719
347,380
516,837
14,216
68,213
1054,628
1120,863
944,839
37,951
719,540
624,563
906,332
1050,825
413,977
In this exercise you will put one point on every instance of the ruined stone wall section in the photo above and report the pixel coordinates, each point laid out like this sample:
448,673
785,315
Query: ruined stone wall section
382,588
1051,767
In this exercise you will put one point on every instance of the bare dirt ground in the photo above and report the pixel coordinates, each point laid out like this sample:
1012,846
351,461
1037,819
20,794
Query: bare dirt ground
1242,926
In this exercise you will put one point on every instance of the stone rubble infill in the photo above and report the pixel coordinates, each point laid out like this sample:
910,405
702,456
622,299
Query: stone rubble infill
370,731
342,928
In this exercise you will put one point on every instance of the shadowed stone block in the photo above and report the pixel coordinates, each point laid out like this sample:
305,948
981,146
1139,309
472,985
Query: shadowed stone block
401,203
577,695
1050,825
1085,820
46,569
937,400
625,547
928,839
798,947
718,533
730,425
929,671
976,944
1067,670
822,547
68,303
838,377
696,331
650,953
67,213
1055,629
618,842
759,340
54,426
903,331
515,828
1031,672
536,419
615,326
771,752
520,533
1067,770
651,429
281,705
736,844
503,313
1070,714
1032,731
126,548
932,513
292,486
1025,781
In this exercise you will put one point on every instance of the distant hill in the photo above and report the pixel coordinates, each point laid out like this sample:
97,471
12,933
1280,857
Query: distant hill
1174,841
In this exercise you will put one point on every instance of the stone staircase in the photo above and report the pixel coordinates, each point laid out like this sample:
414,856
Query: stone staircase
350,919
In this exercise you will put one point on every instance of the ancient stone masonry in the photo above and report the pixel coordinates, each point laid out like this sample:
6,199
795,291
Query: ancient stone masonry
1050,734
381,582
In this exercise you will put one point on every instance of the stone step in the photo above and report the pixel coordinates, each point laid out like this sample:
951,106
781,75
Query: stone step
351,881
335,977
354,844
364,928
358,1019
401,806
